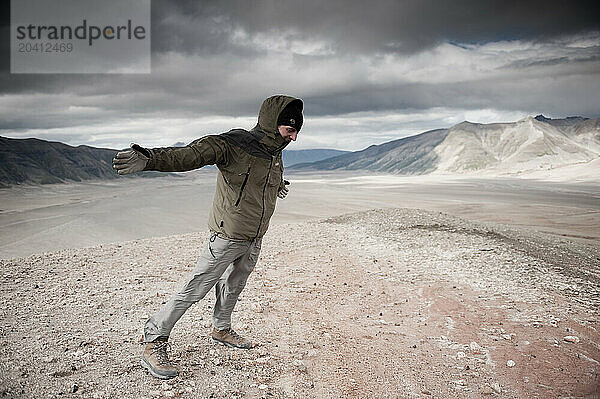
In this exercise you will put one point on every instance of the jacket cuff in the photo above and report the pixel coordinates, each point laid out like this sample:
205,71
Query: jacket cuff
150,165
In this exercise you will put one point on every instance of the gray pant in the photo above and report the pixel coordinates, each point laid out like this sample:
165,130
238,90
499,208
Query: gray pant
225,263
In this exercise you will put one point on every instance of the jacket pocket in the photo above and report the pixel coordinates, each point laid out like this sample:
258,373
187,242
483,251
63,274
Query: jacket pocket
276,176
239,198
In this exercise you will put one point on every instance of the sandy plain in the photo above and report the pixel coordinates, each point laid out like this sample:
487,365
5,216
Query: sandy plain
367,286
47,218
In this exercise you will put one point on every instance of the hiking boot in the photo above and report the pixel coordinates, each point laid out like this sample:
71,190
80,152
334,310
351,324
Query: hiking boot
230,338
156,360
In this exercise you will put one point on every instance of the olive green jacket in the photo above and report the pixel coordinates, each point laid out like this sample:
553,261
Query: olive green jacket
250,171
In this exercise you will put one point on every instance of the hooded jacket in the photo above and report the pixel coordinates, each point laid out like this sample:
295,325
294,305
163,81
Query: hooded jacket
250,171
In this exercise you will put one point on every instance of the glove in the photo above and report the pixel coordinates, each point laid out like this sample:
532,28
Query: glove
284,190
131,161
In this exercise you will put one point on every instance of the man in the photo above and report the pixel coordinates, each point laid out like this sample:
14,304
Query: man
249,180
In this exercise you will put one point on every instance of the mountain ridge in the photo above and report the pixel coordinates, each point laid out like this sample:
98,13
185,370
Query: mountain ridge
37,161
505,148
529,145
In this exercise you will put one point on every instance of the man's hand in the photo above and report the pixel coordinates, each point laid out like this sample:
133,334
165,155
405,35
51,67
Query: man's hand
131,161
284,190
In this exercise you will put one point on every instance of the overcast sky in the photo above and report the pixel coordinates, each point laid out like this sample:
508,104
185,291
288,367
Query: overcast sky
368,72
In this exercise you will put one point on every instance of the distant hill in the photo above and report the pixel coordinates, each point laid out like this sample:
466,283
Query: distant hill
528,145
293,157
35,161
410,155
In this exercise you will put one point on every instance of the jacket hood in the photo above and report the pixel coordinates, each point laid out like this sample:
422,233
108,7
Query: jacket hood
267,120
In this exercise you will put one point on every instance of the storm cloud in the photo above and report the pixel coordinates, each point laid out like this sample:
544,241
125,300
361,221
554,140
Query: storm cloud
368,72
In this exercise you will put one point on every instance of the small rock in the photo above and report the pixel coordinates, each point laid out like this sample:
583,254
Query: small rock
496,387
169,394
61,373
475,348
191,348
510,363
165,386
257,307
425,392
300,364
216,361
459,384
75,388
572,339
77,353
263,386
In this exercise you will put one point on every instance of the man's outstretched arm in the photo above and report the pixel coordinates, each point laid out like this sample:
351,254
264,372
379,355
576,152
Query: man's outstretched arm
207,150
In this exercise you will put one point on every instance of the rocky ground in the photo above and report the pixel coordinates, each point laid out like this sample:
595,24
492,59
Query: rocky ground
391,303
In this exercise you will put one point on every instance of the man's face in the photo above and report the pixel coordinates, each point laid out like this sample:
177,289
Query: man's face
287,132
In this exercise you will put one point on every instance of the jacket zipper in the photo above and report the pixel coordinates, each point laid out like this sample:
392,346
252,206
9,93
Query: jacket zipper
243,185
262,215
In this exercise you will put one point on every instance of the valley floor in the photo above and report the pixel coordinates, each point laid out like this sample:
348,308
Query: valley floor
61,216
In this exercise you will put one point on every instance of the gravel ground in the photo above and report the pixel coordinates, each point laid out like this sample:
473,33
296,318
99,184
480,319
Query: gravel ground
394,303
